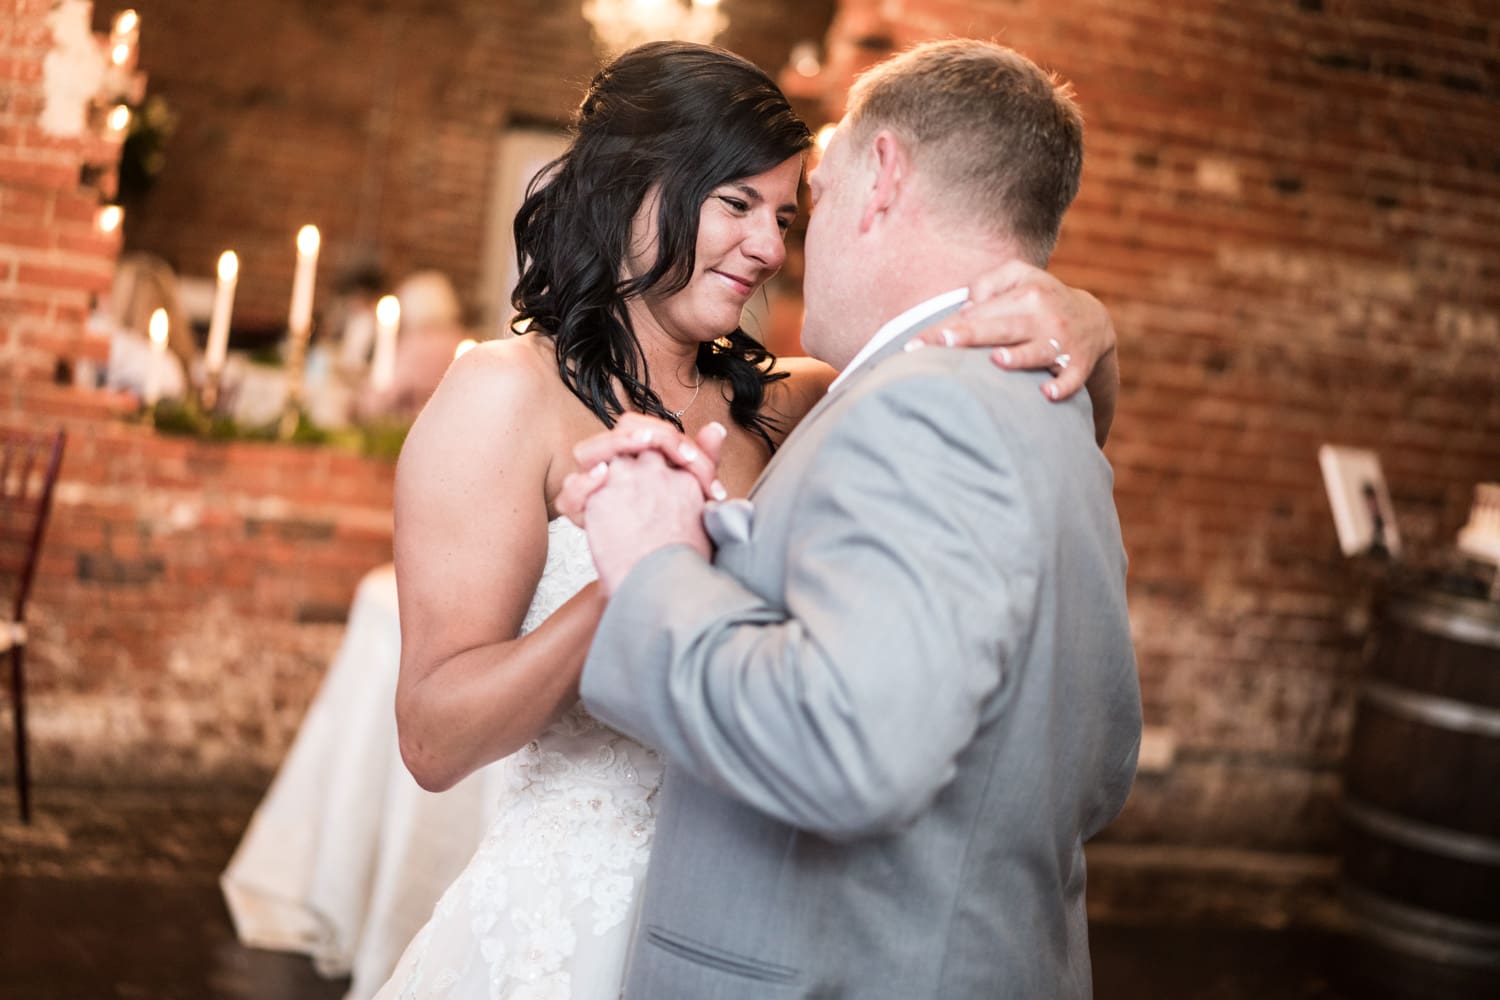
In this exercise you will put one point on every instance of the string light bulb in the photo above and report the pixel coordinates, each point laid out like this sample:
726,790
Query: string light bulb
109,218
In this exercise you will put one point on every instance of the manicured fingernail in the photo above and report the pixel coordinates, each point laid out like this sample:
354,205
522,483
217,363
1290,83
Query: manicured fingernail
916,344
1051,390
641,437
1005,356
719,429
717,491
599,471
687,452
949,337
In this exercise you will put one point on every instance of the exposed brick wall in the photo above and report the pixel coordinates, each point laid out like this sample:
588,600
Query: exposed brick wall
1292,209
190,593
190,597
52,255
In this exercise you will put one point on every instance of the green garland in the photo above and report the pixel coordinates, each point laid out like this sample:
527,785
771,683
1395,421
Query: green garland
185,418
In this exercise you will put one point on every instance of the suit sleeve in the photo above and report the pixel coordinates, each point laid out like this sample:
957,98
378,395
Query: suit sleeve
911,579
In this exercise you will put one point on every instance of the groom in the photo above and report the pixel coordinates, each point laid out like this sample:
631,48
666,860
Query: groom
902,695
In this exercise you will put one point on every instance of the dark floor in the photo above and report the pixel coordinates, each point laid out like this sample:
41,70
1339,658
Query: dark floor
113,894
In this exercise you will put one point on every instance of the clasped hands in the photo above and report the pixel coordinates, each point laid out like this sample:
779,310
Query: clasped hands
643,484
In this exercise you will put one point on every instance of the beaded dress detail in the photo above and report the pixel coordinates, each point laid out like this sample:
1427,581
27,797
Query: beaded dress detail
545,909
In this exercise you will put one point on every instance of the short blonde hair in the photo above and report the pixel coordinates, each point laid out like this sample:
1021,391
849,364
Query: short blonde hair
1000,137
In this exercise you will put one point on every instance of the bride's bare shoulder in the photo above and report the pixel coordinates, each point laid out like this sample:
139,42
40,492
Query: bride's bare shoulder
790,398
488,403
496,378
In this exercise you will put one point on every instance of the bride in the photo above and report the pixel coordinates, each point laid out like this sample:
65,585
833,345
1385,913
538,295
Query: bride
640,248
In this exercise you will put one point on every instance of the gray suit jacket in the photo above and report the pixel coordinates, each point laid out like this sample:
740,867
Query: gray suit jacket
894,713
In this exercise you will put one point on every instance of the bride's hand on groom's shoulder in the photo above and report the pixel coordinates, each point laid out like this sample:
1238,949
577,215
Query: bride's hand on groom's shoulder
1033,321
633,435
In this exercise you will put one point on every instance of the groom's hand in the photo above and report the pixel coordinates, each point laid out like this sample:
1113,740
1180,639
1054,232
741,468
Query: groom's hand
633,435
645,505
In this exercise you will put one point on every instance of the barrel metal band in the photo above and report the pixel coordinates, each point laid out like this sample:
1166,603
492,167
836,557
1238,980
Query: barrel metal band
1444,713
1446,623
1423,836
1419,932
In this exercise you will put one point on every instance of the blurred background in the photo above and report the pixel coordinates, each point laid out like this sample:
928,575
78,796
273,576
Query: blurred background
1290,208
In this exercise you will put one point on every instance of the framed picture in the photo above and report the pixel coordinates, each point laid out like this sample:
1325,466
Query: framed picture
1362,510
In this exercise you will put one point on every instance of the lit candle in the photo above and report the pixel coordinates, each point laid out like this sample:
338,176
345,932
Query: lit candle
383,365
119,118
158,330
300,320
218,324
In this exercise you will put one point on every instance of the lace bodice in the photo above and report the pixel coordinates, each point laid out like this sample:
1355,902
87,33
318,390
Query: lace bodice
568,569
544,910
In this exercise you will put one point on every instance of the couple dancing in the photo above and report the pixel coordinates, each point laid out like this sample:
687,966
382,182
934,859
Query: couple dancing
892,692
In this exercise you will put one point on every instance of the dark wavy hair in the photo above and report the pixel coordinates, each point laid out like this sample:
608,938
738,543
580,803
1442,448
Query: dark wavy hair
688,118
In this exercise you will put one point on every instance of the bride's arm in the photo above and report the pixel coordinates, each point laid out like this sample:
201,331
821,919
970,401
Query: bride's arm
471,541
1020,308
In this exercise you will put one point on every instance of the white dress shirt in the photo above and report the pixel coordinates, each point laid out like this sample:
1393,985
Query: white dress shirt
911,318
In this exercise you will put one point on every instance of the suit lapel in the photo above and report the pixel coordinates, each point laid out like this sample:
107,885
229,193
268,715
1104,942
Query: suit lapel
896,346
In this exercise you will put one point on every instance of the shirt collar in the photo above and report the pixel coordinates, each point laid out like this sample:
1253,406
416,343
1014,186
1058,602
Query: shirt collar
907,321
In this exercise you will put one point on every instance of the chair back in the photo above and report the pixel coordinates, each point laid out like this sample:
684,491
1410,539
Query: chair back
29,462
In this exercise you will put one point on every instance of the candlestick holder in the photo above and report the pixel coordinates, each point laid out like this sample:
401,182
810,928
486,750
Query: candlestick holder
208,393
296,360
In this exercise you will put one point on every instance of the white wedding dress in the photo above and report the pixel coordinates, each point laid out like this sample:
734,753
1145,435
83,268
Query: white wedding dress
545,909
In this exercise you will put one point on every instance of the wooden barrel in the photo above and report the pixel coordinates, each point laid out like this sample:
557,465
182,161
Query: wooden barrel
1421,806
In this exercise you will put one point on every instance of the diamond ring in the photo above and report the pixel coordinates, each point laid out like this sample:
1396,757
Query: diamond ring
1060,359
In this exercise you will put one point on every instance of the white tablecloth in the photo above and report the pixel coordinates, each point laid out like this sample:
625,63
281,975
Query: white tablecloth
346,856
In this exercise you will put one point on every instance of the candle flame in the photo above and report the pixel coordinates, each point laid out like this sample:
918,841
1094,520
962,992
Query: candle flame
229,265
388,310
119,118
158,328
464,347
120,54
110,217
308,240
126,22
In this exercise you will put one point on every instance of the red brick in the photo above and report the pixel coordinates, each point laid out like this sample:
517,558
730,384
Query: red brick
35,173
43,276
76,207
18,205
32,237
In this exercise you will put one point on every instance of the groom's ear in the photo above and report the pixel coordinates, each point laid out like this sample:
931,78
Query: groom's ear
891,162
